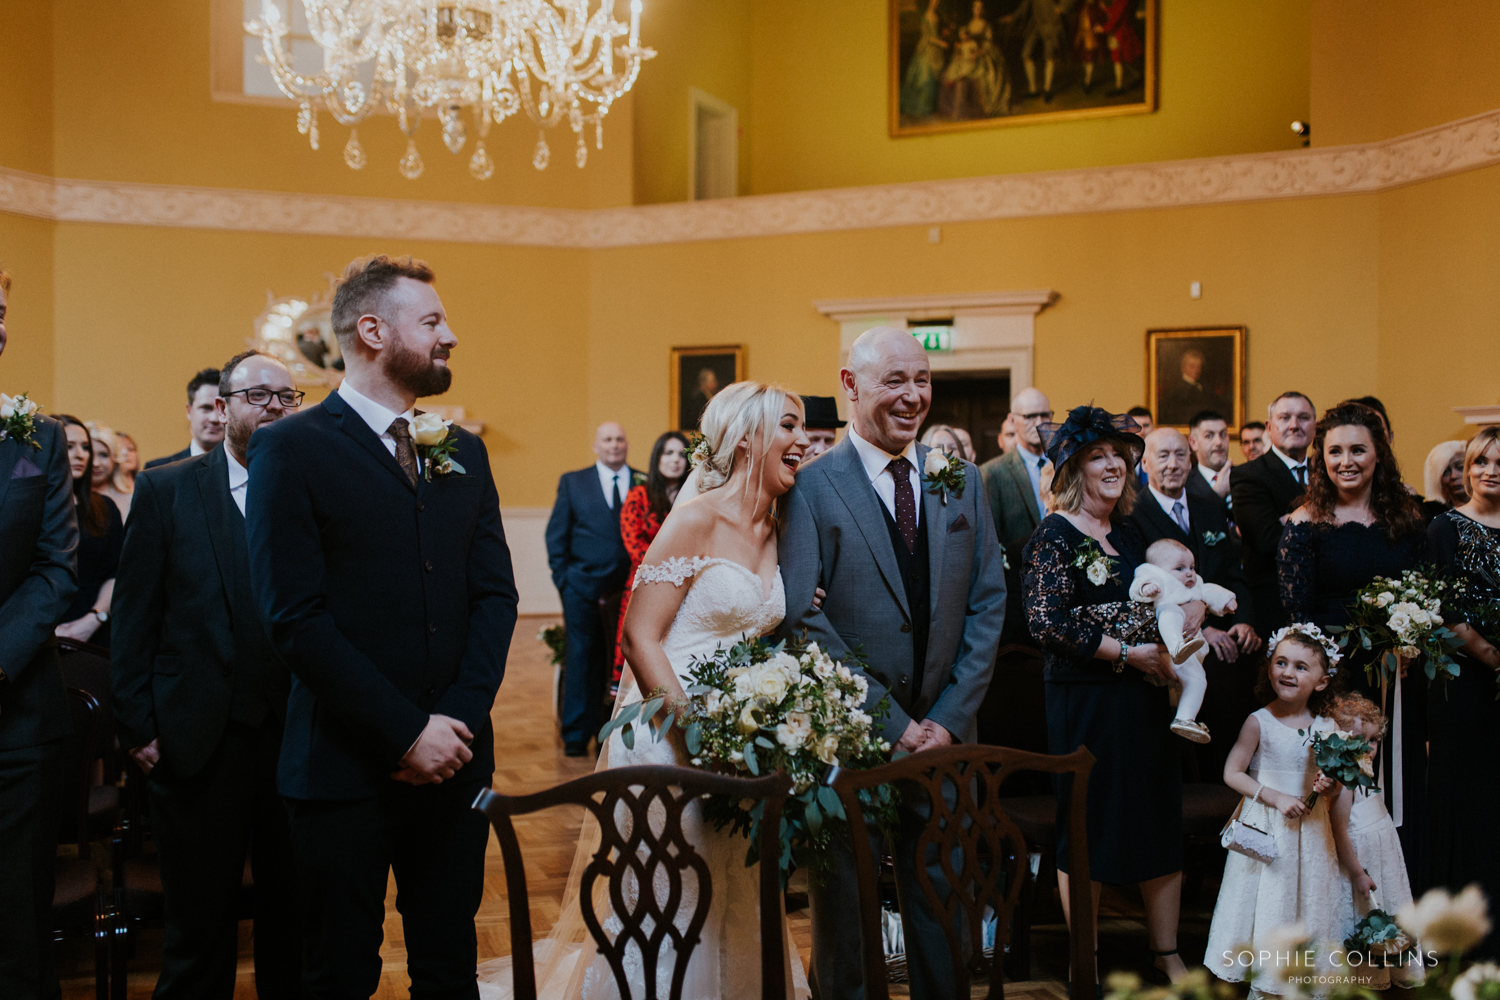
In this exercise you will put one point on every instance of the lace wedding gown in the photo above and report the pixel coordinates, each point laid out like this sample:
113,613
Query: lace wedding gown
725,602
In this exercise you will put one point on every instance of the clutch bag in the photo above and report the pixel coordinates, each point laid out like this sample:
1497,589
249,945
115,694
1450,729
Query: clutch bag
1241,837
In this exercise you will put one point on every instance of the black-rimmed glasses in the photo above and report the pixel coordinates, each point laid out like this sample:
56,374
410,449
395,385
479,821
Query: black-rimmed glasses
289,398
1030,417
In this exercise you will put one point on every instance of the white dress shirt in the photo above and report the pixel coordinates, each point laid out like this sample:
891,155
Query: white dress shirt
1034,465
1212,477
195,449
1291,463
377,416
609,478
239,478
1166,503
875,461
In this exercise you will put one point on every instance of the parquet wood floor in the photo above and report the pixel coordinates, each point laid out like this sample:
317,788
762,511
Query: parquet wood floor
529,757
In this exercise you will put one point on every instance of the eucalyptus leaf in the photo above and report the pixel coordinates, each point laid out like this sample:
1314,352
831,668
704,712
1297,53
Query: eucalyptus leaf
628,736
831,803
694,739
814,818
750,761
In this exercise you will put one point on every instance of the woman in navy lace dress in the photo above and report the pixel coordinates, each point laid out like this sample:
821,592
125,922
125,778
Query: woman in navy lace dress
1106,669
1463,776
1359,521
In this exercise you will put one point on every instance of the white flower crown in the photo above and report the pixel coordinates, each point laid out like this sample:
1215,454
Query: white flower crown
1310,631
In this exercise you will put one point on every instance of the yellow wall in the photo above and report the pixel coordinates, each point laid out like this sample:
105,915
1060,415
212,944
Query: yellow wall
26,86
1233,77
1395,66
29,362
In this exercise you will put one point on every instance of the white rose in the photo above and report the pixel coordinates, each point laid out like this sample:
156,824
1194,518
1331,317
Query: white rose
26,407
1366,766
747,722
1385,597
828,749
794,732
713,703
1097,574
429,429
769,683
1399,622
1410,652
1466,986
1449,925
843,673
7,406
744,686
936,463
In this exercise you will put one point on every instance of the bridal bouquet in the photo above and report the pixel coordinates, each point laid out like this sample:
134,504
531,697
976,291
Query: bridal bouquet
1381,940
758,707
1392,617
1342,756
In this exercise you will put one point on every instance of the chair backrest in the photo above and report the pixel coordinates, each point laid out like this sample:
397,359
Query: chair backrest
78,766
639,812
86,666
981,853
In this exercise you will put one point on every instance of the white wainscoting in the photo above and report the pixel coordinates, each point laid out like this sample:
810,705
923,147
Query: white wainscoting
526,533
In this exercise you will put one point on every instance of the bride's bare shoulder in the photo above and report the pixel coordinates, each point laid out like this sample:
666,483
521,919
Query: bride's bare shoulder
686,531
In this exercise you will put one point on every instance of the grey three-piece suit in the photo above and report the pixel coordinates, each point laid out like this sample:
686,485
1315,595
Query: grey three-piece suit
836,535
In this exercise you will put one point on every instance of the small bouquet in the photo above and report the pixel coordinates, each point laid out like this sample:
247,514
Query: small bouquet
1342,756
555,637
1401,617
1380,939
758,707
18,419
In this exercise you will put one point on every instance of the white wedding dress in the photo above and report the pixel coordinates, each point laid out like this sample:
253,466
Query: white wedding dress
725,602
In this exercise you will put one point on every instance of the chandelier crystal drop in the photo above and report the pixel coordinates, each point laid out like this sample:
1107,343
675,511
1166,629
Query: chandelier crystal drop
556,61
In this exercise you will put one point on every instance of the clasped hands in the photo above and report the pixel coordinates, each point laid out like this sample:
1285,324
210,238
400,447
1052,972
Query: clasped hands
438,754
924,735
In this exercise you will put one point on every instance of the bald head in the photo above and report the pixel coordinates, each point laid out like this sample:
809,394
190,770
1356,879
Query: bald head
889,387
1030,408
1167,461
610,445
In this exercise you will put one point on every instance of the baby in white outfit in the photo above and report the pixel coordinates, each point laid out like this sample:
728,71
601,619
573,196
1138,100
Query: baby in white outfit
1168,580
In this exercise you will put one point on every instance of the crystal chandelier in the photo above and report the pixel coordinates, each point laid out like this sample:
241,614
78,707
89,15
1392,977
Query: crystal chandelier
552,59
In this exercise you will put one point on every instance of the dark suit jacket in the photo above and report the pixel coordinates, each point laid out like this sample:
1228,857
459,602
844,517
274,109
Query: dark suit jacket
169,459
389,602
38,546
1215,550
583,537
187,631
1263,491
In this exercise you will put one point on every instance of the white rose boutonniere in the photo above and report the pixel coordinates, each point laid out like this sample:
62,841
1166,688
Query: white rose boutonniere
943,474
1096,566
436,443
18,419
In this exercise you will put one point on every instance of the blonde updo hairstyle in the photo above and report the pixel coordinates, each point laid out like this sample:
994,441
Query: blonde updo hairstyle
738,413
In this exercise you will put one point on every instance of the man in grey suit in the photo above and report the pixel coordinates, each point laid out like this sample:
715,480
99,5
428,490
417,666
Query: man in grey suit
914,586
38,576
1013,485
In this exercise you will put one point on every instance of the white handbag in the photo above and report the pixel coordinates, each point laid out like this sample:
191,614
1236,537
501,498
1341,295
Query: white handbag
1251,841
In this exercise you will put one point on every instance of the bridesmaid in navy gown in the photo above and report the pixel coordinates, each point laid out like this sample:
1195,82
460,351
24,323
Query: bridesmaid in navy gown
1463,789
1358,521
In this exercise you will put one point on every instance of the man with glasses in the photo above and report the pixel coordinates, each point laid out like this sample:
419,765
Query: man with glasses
201,697
1013,485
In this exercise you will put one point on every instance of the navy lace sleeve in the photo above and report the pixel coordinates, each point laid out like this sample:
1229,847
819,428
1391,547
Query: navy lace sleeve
1052,587
1297,570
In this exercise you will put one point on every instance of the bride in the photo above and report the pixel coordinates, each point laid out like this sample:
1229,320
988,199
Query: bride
709,578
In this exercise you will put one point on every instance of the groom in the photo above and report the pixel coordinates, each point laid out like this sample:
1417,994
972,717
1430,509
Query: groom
917,588
386,583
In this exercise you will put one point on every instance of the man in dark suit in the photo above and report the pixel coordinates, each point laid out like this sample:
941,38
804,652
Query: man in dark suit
1168,508
200,697
203,418
589,565
1265,491
1208,437
38,576
1013,486
378,559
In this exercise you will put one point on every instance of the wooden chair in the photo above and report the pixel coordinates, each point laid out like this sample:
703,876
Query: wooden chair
79,908
633,849
86,667
968,819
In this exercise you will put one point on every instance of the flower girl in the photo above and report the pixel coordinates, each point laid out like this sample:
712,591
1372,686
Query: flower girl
1271,765
1368,845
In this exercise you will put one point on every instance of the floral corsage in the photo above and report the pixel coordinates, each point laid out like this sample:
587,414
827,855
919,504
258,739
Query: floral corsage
1212,538
436,442
18,419
699,450
1097,566
943,474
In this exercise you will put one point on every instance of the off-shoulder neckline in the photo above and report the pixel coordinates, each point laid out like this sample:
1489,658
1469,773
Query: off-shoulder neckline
766,592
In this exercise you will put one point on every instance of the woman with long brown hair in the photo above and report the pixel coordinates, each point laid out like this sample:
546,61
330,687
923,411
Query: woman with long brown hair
1359,521
101,534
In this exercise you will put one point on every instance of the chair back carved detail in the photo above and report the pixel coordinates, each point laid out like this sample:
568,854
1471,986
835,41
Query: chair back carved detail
643,852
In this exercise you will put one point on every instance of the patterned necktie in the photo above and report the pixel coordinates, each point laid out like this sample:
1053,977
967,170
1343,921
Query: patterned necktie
406,452
906,503
1179,514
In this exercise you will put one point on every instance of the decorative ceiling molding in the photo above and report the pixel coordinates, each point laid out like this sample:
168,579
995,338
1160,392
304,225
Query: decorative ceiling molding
1467,144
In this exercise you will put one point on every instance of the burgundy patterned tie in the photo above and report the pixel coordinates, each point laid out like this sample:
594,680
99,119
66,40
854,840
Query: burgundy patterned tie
906,503
406,452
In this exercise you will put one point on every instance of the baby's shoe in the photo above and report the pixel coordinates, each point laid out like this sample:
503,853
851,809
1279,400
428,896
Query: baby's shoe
1188,648
1190,730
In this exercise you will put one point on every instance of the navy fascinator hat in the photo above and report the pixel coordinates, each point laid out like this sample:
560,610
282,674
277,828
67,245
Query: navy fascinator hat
1084,426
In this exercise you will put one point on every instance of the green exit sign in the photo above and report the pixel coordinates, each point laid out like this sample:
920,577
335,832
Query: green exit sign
934,338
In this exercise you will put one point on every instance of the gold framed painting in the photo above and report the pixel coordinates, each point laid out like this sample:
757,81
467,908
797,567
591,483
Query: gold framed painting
965,64
1191,370
697,374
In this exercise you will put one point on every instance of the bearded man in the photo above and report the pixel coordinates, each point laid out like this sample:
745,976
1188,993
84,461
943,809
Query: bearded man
380,564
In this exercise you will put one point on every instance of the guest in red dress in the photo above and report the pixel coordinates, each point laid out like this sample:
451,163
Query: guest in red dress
645,508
